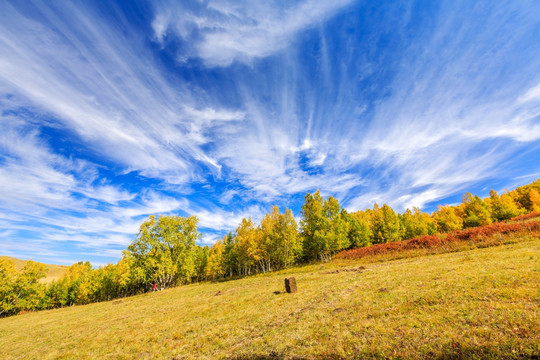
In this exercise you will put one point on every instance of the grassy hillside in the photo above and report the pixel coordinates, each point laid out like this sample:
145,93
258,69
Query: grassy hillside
54,272
480,302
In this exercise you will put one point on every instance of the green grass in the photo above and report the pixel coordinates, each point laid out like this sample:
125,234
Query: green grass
480,303
54,272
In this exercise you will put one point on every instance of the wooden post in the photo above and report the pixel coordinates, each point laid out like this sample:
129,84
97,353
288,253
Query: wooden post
290,285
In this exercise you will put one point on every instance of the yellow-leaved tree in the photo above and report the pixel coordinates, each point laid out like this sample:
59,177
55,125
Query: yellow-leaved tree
250,250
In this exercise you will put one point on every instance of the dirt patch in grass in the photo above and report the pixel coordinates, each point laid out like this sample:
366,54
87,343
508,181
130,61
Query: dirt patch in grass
342,270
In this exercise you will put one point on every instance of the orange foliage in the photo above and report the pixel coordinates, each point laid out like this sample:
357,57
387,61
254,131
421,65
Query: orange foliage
472,235
526,216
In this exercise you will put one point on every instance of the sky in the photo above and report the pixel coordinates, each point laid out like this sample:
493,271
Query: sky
111,111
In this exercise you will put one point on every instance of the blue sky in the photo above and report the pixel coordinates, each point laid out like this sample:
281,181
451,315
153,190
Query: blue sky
112,111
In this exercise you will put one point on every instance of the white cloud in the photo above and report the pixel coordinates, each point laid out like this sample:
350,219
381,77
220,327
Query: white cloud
239,30
456,111
459,101
533,94
223,220
108,90
59,199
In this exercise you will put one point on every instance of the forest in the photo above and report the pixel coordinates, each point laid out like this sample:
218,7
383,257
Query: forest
165,252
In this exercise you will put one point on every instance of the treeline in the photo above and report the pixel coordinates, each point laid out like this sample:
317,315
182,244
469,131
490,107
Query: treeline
165,252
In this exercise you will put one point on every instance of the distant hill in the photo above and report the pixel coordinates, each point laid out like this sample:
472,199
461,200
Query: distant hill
54,272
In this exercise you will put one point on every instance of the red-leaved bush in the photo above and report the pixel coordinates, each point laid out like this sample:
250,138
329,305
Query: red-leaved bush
473,235
526,216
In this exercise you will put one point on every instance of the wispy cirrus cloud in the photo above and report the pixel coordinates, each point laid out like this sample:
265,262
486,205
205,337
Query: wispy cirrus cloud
48,199
226,31
221,109
59,62
120,104
441,126
445,124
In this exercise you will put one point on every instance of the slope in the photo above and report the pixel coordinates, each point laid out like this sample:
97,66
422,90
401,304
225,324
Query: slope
54,272
481,302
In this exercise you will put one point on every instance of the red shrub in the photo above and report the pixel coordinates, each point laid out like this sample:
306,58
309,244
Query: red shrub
438,241
526,216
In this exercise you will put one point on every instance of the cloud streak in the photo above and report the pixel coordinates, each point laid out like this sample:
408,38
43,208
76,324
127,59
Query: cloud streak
120,105
221,109
240,31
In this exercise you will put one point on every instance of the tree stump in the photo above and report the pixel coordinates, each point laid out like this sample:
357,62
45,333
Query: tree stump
290,285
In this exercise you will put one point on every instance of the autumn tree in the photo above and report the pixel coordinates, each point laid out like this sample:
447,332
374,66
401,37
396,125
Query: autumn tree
534,200
67,290
215,266
124,278
502,207
447,219
21,290
98,285
249,249
475,211
527,196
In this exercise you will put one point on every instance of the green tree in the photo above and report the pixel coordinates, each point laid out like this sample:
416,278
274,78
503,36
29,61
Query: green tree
324,228
201,259
386,225
360,233
163,251
339,225
312,224
280,239
230,254
416,223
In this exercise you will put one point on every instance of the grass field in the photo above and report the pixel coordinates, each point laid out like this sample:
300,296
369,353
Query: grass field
54,272
481,303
